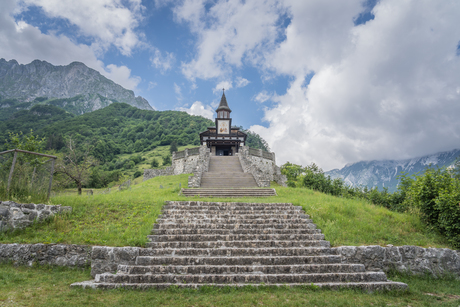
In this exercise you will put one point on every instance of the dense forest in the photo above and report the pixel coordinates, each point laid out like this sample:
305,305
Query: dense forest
112,133
118,128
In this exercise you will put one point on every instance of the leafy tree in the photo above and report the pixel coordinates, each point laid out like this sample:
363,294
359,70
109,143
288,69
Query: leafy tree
173,147
77,163
154,163
167,160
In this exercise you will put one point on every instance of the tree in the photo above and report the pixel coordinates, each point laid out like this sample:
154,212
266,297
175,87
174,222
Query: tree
173,147
166,160
154,162
77,163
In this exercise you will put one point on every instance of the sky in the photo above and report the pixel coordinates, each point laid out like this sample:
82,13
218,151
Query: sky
324,81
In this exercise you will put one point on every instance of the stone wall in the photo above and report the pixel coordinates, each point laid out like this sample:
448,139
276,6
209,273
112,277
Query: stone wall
52,254
188,161
105,259
410,259
18,216
151,173
261,165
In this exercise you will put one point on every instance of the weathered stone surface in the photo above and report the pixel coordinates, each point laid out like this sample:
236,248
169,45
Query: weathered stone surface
105,259
261,165
411,259
18,216
52,254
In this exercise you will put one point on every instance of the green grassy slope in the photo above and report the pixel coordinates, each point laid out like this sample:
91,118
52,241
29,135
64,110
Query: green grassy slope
123,218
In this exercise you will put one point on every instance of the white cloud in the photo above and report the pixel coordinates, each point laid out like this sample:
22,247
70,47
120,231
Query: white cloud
385,89
262,97
122,76
110,22
163,63
178,92
228,32
222,85
25,43
241,82
199,109
152,85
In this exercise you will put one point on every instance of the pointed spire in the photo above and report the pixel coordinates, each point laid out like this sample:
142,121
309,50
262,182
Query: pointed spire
223,105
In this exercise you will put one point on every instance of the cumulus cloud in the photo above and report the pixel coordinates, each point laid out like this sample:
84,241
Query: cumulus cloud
228,32
382,88
110,22
178,91
262,97
222,85
199,109
389,92
25,43
163,63
241,82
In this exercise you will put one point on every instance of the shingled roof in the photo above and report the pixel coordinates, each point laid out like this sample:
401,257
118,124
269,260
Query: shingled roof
223,105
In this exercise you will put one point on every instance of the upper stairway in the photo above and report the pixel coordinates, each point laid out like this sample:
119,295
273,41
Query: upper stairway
226,172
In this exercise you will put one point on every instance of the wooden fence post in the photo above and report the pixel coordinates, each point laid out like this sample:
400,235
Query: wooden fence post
11,174
51,178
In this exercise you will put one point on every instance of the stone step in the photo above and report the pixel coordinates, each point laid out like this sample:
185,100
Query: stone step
228,252
237,244
242,278
233,205
241,269
286,226
363,286
229,194
233,212
238,237
234,220
238,260
185,231
226,215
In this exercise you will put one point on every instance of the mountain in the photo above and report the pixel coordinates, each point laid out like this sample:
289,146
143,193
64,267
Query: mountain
383,173
75,88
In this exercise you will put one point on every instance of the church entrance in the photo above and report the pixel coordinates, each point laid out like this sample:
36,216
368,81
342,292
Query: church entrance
224,151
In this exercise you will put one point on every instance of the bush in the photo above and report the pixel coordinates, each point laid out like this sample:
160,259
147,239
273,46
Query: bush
137,174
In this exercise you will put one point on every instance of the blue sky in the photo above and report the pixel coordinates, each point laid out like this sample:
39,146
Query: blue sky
330,81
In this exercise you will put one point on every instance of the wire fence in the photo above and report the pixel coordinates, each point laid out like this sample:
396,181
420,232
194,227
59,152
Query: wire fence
25,175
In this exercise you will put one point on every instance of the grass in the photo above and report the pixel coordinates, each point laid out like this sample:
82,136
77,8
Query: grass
49,286
125,218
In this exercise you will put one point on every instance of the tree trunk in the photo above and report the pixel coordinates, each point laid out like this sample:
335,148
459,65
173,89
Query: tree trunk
79,189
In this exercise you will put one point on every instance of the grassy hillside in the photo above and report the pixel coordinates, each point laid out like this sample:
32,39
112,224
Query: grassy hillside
126,217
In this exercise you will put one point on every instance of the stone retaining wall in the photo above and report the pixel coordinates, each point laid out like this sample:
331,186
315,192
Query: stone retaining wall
18,216
410,259
261,165
188,161
52,254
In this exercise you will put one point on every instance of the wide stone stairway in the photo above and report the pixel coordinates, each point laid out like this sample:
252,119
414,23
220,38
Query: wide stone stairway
237,244
225,178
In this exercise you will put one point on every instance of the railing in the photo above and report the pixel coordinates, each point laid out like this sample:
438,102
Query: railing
180,154
254,152
267,155
190,152
260,153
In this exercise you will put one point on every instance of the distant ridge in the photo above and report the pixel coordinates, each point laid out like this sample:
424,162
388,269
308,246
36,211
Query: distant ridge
383,173
74,87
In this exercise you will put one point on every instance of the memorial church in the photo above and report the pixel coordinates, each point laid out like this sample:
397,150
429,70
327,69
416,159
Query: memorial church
223,139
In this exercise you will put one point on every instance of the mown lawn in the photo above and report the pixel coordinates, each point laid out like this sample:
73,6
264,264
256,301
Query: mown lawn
49,286
125,218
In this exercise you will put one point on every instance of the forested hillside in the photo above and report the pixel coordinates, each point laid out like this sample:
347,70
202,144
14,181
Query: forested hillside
116,129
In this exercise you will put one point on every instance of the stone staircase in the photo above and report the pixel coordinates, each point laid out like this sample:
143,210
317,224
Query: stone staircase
226,172
238,244
225,178
258,192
